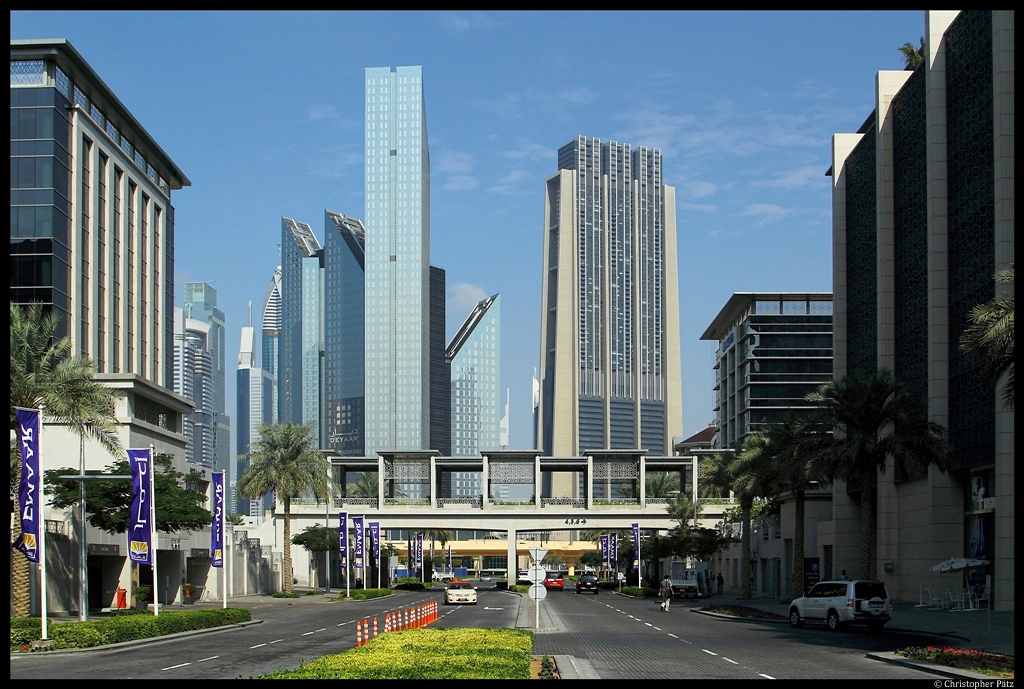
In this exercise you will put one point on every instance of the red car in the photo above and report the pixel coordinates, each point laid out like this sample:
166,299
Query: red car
554,581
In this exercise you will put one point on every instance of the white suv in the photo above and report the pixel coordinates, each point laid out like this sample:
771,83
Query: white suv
838,603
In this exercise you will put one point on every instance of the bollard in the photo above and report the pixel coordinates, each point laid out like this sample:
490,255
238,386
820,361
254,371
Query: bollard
374,626
359,635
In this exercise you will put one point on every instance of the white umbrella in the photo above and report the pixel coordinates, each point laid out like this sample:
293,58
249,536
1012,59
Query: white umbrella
955,564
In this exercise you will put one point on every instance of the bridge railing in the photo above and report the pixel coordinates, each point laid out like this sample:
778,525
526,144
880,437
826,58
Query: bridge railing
564,502
477,502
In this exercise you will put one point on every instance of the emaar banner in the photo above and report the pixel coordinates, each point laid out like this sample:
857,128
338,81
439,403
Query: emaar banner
357,544
30,485
140,529
343,541
217,537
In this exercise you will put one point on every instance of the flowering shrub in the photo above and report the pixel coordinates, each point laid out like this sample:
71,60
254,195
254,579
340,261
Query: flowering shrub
994,664
428,654
190,590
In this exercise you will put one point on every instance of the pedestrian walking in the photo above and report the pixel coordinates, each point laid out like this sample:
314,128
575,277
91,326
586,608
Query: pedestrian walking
721,583
666,593
844,576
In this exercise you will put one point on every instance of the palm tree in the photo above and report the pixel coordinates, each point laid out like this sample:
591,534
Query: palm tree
789,443
715,479
990,336
912,57
284,459
757,475
365,487
43,373
872,417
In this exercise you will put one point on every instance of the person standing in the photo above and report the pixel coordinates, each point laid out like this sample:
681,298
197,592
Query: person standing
666,593
844,576
721,583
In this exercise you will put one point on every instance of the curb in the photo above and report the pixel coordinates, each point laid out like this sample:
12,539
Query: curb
736,617
925,666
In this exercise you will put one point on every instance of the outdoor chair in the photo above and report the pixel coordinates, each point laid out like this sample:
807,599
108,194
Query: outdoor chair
981,598
934,602
954,602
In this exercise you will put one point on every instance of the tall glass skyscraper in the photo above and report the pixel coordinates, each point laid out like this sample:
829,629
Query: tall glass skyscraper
301,340
397,218
475,356
272,336
344,282
610,361
201,304
254,392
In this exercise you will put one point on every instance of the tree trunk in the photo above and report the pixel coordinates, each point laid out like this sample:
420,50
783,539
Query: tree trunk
867,512
798,547
286,575
21,571
745,507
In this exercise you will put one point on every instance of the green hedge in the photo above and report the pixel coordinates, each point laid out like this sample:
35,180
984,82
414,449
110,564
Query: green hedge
122,627
364,594
640,591
428,654
519,588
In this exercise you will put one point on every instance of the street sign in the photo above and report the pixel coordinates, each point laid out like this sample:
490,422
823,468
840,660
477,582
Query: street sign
537,574
538,553
538,592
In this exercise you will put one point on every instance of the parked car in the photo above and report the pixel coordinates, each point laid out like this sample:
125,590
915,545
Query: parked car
554,580
838,603
587,582
459,591
524,577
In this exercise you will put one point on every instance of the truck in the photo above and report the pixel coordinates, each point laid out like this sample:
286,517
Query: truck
689,582
445,574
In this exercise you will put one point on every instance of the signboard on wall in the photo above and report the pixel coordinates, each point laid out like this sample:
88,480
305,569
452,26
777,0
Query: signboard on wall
812,573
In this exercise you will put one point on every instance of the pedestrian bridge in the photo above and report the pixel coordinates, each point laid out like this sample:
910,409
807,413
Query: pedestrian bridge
601,490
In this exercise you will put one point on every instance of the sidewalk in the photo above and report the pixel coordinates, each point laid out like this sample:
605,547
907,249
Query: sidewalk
980,630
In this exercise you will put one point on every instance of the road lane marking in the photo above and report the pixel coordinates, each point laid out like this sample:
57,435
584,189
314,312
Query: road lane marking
205,659
257,646
322,629
761,674
731,661
673,635
658,628
276,640
308,633
175,666
707,651
647,623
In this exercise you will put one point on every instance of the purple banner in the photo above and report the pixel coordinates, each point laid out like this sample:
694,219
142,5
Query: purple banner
343,541
140,530
30,486
604,551
419,551
217,537
613,550
375,542
636,547
357,543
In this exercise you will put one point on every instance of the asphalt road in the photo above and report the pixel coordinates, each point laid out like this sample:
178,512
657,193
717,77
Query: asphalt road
626,638
613,636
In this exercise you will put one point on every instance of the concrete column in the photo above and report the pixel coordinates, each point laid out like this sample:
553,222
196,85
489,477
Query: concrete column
588,482
485,478
512,567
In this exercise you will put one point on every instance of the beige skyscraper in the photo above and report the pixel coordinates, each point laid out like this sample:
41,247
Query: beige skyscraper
609,364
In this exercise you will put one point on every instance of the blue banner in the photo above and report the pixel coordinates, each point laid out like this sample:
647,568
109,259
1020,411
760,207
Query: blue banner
604,551
613,549
140,530
357,543
636,547
217,537
30,486
375,542
343,541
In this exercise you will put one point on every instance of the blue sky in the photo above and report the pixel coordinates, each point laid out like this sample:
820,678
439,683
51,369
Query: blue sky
263,112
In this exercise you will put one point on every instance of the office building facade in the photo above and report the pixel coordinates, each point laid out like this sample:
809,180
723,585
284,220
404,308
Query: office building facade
92,239
475,356
397,220
440,368
254,391
271,336
300,367
610,366
193,380
773,350
201,304
344,287
922,221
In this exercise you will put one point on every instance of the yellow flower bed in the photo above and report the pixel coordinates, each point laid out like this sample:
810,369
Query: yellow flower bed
428,654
